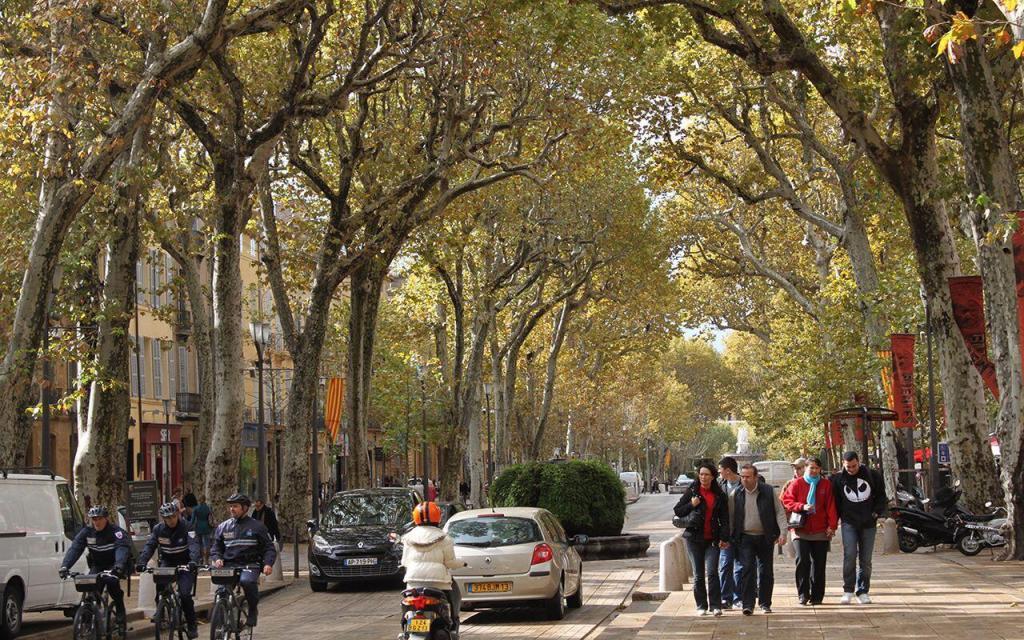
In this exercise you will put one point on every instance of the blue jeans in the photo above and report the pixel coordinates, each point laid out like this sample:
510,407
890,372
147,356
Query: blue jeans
704,559
858,545
729,577
755,559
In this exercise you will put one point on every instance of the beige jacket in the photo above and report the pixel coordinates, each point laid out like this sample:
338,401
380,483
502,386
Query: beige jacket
428,555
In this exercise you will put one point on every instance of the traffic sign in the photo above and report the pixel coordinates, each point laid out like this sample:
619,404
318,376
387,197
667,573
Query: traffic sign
944,456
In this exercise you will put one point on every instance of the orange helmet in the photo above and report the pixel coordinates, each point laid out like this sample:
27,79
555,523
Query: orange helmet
427,513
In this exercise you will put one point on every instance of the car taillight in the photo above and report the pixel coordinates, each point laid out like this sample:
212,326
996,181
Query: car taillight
542,553
419,603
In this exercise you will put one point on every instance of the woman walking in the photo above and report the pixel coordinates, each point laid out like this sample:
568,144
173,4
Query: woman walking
811,497
704,511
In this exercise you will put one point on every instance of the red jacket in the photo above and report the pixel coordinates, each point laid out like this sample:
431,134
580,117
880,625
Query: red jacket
825,515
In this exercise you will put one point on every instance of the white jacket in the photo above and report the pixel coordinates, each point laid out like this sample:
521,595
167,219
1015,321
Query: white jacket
427,556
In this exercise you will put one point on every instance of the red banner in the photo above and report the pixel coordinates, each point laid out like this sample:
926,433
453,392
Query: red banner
903,380
969,314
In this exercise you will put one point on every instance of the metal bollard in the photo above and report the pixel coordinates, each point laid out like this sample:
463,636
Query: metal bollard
674,565
295,551
890,538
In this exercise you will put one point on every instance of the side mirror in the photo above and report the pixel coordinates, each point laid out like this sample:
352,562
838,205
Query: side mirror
312,526
957,484
578,540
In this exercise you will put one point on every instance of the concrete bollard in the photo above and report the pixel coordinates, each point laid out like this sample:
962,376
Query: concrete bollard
890,538
277,575
147,591
674,565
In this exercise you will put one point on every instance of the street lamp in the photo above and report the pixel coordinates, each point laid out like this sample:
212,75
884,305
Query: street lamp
421,374
166,447
933,460
260,332
488,389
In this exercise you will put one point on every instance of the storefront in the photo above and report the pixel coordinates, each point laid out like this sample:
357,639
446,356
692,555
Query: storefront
162,455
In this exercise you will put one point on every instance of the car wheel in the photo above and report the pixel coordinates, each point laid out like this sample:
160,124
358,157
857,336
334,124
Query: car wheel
316,586
10,613
575,601
555,606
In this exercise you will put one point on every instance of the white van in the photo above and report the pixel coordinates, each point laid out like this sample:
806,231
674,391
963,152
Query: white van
775,472
633,483
38,520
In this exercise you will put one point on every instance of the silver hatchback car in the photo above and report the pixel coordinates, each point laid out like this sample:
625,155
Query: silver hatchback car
516,556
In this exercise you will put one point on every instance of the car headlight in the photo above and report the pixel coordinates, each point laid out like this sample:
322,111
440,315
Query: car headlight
321,545
394,538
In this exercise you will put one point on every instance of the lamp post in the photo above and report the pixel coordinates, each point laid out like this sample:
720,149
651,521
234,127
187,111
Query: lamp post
260,332
421,374
315,463
488,389
933,460
166,447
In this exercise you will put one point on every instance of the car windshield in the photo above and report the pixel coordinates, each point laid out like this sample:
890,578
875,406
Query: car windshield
494,532
366,510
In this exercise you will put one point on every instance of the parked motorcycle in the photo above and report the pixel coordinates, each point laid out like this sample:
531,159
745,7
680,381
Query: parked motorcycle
911,497
977,532
426,615
916,528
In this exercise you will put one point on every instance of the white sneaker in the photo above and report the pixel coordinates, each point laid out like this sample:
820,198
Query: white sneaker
864,598
702,612
716,612
847,598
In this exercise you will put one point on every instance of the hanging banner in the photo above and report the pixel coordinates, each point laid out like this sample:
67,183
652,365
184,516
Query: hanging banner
969,314
902,397
834,435
333,404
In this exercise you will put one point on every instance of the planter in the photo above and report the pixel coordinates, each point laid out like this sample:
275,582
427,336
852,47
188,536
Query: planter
615,547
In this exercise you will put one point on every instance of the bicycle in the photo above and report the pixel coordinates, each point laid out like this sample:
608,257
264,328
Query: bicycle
230,612
169,621
95,618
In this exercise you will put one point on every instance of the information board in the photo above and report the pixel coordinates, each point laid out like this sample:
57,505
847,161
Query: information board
143,500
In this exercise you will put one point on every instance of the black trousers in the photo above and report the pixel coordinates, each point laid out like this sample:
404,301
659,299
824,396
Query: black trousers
811,556
756,558
113,586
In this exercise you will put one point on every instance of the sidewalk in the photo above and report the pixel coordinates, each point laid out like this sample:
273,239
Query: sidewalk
927,594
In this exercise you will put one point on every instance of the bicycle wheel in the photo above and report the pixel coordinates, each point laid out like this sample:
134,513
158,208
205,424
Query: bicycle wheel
84,626
163,628
114,631
220,621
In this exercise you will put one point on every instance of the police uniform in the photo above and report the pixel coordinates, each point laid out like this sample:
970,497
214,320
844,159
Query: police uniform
178,546
244,541
109,549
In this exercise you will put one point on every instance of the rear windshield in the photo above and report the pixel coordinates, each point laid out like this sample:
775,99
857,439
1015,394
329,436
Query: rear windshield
494,532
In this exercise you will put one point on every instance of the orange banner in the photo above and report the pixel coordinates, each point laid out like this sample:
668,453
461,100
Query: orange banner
333,404
969,313
903,380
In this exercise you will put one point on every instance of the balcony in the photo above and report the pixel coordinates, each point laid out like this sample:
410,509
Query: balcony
183,323
186,406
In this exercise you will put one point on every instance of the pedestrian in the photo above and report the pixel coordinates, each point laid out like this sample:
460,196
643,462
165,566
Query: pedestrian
704,510
464,491
813,527
757,526
261,511
654,485
799,466
202,523
728,575
431,491
860,500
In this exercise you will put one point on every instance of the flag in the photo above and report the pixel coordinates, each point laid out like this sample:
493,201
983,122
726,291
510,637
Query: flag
333,404
969,314
903,380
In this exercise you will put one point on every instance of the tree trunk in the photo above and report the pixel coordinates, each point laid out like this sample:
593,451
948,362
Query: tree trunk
468,410
477,470
996,197
100,461
561,326
294,505
202,342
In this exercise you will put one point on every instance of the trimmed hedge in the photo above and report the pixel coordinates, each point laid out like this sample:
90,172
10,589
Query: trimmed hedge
586,496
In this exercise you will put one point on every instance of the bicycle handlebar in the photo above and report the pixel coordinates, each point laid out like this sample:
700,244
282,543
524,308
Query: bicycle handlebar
74,574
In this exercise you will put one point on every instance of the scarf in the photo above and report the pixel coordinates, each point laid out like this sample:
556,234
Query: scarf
813,481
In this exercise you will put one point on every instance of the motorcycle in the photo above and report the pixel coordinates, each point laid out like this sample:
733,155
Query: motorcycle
911,497
426,615
916,528
977,532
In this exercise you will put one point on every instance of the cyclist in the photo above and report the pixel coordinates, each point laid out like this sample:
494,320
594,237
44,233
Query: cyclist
429,555
109,549
178,546
240,541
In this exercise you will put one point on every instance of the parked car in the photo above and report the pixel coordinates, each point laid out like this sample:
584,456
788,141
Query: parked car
516,556
359,536
38,520
633,483
683,480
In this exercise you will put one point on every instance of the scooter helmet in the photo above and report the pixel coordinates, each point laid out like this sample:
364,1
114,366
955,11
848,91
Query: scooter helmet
168,509
427,513
240,498
99,512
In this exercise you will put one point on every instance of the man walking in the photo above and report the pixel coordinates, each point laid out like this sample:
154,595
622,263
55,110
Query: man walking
728,576
759,522
261,511
860,500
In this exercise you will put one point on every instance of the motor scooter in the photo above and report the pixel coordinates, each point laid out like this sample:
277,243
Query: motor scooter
977,532
426,615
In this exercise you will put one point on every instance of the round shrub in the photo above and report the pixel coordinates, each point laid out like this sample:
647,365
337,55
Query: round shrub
586,496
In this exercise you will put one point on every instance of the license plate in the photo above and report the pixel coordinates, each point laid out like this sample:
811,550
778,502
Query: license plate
490,587
419,625
360,562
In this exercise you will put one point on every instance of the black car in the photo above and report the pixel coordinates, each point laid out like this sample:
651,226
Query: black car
359,536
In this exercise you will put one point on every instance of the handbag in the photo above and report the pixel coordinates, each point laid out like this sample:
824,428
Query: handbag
797,520
689,521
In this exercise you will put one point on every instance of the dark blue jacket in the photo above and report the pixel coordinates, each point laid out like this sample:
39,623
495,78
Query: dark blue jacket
178,546
243,541
108,549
